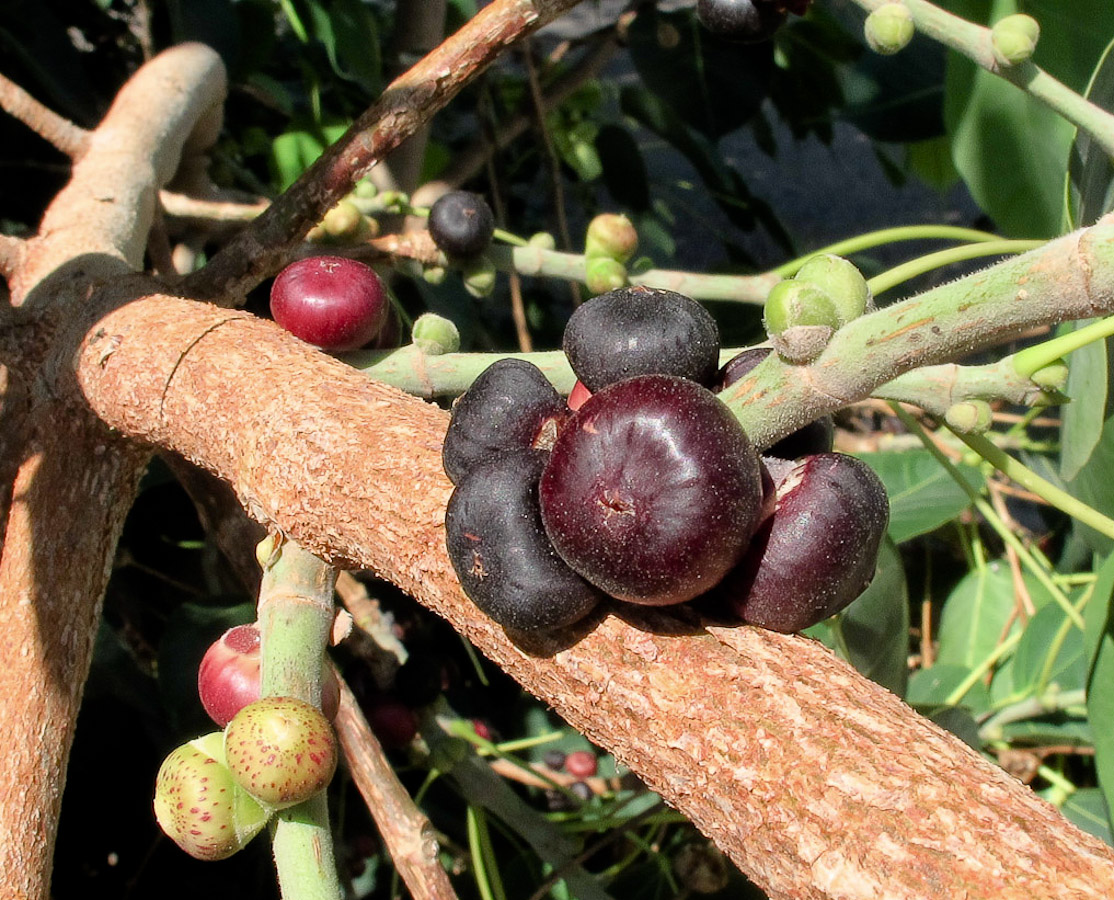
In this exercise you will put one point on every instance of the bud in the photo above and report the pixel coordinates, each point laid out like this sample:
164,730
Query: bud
1014,38
841,281
479,276
604,274
889,29
800,320
543,240
969,416
343,220
1053,377
611,235
434,335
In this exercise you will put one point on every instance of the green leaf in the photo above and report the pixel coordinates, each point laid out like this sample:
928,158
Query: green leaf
1083,418
923,496
934,687
875,628
1049,633
1099,644
350,36
1088,809
296,150
1090,172
975,616
1094,486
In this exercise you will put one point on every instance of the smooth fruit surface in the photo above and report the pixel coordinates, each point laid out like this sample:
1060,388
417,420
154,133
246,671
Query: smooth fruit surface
741,20
506,408
817,551
331,302
501,553
230,676
461,223
652,490
281,750
200,806
641,331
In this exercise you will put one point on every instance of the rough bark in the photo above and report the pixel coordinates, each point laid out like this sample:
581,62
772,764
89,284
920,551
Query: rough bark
815,781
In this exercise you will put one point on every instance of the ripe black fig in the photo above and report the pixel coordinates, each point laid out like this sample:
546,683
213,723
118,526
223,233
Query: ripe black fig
652,490
817,551
641,331
746,21
500,551
461,224
511,406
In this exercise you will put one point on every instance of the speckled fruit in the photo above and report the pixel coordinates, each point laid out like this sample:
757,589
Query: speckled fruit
200,806
461,223
817,551
641,331
510,406
229,676
581,764
331,302
281,750
815,437
501,553
652,490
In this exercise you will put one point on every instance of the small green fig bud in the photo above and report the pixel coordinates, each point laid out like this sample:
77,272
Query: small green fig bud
800,320
434,335
281,750
889,29
543,240
841,281
317,234
1014,38
200,806
394,200
969,416
343,220
434,274
611,235
479,276
1053,377
604,274
365,189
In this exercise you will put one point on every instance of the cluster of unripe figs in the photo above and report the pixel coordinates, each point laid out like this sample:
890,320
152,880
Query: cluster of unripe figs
215,793
644,487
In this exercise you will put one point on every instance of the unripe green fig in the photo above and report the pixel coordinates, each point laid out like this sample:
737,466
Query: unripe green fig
604,274
479,276
1053,377
343,220
889,29
199,804
611,235
543,240
281,750
800,319
969,416
1014,38
841,281
434,334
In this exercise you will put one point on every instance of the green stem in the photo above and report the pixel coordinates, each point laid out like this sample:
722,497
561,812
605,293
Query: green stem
973,41
883,236
932,261
1034,358
1031,481
295,620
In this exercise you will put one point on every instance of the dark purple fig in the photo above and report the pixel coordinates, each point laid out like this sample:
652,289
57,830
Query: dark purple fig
511,406
817,551
641,331
501,553
652,490
461,224
746,21
815,437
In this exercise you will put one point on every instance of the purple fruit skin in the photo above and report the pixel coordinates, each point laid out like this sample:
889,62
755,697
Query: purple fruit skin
652,490
461,224
500,550
819,549
331,302
504,409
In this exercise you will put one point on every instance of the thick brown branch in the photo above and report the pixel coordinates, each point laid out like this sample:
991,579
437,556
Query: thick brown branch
409,102
817,782
63,134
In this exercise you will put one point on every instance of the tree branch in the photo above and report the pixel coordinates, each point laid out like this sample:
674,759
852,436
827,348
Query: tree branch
764,740
60,132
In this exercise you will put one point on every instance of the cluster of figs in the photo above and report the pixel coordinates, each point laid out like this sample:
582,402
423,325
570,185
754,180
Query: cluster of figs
643,486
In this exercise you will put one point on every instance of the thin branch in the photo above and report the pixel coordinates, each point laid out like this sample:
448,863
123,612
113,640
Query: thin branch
210,210
64,135
12,250
409,102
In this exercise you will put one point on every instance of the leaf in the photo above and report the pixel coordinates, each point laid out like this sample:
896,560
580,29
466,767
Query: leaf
1099,644
1094,486
296,150
1049,632
350,36
975,616
875,628
923,496
1083,418
934,687
1090,172
1088,809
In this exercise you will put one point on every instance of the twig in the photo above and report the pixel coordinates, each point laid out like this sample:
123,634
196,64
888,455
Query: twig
406,832
11,254
60,132
409,102
202,209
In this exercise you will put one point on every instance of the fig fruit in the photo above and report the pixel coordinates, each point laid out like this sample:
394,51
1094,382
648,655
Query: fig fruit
652,490
461,224
746,21
500,550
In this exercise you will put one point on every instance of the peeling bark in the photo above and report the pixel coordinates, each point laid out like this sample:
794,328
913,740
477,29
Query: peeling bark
814,780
